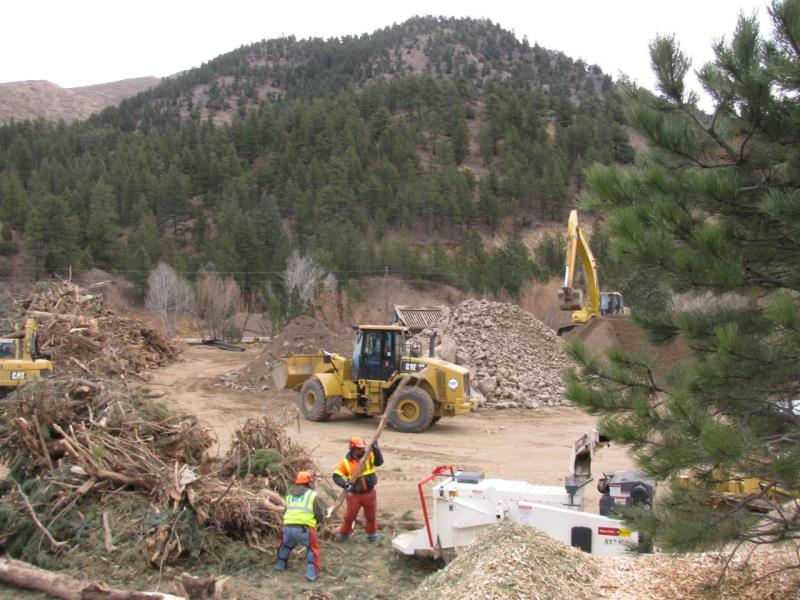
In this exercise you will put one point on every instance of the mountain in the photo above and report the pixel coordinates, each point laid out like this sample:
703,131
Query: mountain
431,149
22,100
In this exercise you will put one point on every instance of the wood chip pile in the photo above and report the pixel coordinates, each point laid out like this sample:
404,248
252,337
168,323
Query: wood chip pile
510,561
516,562
766,572
88,339
81,443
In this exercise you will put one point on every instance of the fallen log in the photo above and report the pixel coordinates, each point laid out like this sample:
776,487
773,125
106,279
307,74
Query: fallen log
58,585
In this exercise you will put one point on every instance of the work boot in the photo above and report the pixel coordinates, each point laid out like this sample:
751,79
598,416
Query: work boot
311,573
343,537
373,537
280,565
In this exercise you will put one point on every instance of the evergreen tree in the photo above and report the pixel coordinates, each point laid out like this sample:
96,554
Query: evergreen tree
102,229
712,210
13,201
53,234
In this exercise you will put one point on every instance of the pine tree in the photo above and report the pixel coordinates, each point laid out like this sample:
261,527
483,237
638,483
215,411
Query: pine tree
712,213
102,229
13,201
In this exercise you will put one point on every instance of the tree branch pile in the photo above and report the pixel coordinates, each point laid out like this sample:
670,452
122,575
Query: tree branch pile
87,338
80,447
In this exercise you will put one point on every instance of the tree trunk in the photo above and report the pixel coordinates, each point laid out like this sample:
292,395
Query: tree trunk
22,575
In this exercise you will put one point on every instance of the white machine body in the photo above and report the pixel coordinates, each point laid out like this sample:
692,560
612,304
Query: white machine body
463,506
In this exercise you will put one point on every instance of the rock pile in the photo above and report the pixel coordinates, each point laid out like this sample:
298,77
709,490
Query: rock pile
515,360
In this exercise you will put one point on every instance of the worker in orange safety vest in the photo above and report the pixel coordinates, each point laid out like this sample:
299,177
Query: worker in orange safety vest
361,492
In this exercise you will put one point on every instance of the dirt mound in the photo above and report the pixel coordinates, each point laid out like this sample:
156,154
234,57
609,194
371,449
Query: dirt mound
515,360
514,561
541,300
601,334
304,335
85,337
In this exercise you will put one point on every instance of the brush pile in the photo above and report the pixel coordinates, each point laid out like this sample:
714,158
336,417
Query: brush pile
82,447
87,338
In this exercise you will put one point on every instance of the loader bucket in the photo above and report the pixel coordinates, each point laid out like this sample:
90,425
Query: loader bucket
290,373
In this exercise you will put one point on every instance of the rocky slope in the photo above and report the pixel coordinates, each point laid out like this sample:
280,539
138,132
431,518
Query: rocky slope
20,100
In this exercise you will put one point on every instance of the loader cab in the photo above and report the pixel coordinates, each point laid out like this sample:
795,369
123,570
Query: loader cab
377,351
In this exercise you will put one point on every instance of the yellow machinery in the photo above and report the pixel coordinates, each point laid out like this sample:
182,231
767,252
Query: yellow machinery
570,298
364,382
20,361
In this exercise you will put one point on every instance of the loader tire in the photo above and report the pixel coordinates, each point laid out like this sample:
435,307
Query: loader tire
414,411
312,401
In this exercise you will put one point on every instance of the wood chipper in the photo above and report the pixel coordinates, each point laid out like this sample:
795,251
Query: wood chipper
363,383
464,503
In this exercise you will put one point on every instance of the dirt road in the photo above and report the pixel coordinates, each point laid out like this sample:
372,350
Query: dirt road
512,444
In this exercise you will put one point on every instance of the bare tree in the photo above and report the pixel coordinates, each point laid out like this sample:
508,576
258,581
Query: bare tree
218,301
303,276
168,294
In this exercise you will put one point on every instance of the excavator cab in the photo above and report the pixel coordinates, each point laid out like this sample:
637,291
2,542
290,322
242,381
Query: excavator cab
612,303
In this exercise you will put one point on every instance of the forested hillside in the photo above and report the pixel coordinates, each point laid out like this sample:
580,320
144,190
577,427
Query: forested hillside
403,150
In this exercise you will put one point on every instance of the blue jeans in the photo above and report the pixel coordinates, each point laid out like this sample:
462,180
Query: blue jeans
294,535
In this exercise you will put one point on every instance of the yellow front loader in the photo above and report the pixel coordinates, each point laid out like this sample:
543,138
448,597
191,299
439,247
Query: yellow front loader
20,360
363,383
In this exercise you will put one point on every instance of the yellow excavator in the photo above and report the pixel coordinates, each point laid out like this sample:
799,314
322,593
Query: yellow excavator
20,359
595,303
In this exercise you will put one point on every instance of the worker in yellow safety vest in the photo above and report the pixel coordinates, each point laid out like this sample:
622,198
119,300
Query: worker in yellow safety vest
303,512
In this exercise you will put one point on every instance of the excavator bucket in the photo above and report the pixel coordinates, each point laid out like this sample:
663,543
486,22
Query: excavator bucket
290,373
570,299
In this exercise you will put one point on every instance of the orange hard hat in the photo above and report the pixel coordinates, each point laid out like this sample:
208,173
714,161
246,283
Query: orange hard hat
304,477
357,442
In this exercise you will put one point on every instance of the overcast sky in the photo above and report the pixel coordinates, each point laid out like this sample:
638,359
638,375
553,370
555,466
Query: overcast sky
82,42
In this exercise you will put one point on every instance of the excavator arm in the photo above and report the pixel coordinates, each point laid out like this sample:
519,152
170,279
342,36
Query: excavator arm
569,297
